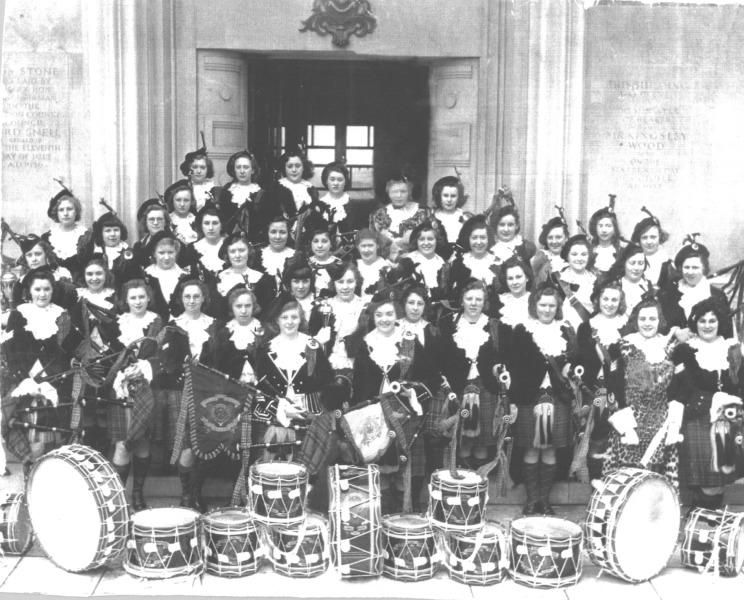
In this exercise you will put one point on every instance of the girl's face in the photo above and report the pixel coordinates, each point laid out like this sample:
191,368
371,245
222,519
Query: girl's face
66,213
693,270
473,302
293,169
449,198
289,321
300,288
182,203
193,299
414,308
516,281
278,235
650,240
609,302
165,255
155,221
507,228
336,183
478,242
211,227
199,170
36,257
137,301
243,170
385,318
41,293
321,246
707,327
556,238
111,236
237,254
546,308
634,267
95,277
242,309
427,243
648,322
398,194
578,257
346,286
605,230
367,250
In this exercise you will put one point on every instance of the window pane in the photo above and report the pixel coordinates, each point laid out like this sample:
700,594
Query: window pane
356,135
360,157
323,135
362,177
321,156
371,137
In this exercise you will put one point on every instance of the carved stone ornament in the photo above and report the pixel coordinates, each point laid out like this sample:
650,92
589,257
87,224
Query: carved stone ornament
341,18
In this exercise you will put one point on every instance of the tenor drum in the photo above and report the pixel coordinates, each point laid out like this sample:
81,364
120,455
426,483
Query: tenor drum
545,552
276,493
232,547
477,558
78,508
457,504
409,549
714,540
632,524
300,550
164,542
354,515
16,533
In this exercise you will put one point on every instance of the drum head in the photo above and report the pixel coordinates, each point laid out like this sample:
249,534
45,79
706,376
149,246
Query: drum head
229,516
739,556
279,469
549,527
164,518
64,513
646,528
403,521
467,477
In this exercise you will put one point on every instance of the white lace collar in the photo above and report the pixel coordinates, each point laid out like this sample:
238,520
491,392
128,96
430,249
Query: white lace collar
418,328
654,349
182,227
557,264
607,328
692,295
633,292
604,257
112,252
514,310
229,278
132,328
712,356
547,337
480,268
272,261
337,206
383,350
586,278
65,243
41,322
98,298
428,267
300,191
241,193
346,314
202,193
470,337
654,263
243,336
371,272
452,222
196,330
289,354
209,253
398,215
168,278
504,250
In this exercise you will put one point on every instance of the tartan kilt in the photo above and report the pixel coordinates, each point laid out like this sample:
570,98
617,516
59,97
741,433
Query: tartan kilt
524,428
486,408
118,421
437,411
695,456
165,417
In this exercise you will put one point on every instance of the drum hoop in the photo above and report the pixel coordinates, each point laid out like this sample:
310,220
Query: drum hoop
568,538
458,484
211,522
299,475
14,501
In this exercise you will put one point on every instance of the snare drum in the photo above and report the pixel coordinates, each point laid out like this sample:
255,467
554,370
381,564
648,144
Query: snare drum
78,508
545,552
299,550
164,543
408,545
479,558
277,490
714,540
457,504
232,546
16,533
632,524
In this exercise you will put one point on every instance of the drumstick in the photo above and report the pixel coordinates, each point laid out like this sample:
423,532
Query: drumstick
274,444
28,426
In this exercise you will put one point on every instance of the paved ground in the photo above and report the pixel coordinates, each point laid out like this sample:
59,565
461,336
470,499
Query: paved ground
34,573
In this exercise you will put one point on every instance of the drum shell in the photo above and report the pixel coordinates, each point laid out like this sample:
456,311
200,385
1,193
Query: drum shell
241,539
300,551
467,513
709,530
526,547
16,533
409,551
160,552
487,566
291,488
354,517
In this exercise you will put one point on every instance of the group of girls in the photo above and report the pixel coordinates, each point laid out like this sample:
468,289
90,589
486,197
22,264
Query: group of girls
276,288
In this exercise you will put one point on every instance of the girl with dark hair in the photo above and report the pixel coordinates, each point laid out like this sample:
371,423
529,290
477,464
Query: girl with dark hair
164,275
198,169
548,260
448,194
152,218
337,207
110,239
605,235
476,262
36,253
239,199
427,243
542,354
629,269
707,381
644,406
67,237
274,255
515,277
509,240
237,252
204,254
182,206
577,280
322,260
299,280
649,235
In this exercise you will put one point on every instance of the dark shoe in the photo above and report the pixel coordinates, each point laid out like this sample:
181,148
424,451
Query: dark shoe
547,509
531,508
140,468
187,493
